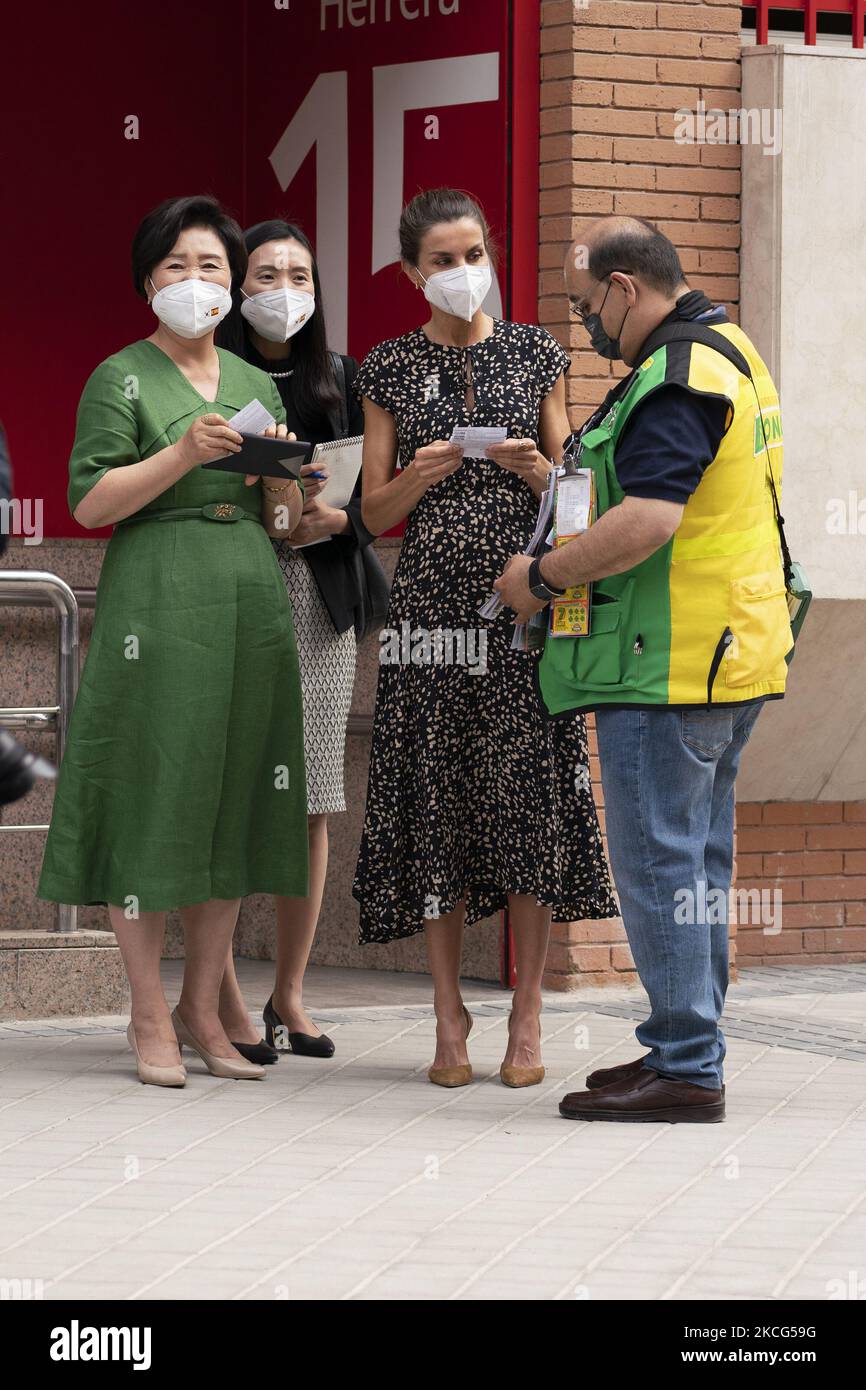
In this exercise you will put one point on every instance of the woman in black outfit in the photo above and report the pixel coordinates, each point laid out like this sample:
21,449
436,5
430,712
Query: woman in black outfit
280,328
476,801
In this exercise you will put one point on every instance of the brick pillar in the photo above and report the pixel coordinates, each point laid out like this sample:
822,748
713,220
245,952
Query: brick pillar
613,75
802,882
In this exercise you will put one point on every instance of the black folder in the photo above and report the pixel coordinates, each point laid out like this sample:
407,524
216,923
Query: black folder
270,458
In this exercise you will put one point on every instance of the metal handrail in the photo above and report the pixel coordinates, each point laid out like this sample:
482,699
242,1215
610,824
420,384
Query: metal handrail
39,588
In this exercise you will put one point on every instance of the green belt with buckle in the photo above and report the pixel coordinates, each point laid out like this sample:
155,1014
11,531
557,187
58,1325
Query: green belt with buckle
213,511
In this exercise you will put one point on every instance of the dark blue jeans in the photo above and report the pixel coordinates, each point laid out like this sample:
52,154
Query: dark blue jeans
668,778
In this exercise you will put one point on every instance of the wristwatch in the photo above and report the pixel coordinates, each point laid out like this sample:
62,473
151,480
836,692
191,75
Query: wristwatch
538,586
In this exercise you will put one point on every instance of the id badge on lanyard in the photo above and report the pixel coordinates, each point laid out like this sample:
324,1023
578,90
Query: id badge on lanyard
573,512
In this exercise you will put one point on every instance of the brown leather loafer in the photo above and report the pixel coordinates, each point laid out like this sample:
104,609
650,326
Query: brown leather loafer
646,1097
607,1076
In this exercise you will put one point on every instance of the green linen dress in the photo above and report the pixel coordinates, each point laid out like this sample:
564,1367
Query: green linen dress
183,777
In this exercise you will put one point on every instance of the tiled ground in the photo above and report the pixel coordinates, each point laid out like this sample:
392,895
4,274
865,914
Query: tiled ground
356,1178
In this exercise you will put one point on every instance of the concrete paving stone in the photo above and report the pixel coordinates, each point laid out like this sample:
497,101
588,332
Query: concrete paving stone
184,1286
44,1211
50,1260
263,1245
75,1238
792,1210
297,1248
113,1263
403,1287
501,1290
18,1265
808,1289
241,1205
131,1197
789,1240
533,1257
385,1220
599,1287
44,1151
723,1290
336,1180
96,1292
315,1286
437,1257
487,1238
169,1239
91,1219
536,1282
255,1262
836,1264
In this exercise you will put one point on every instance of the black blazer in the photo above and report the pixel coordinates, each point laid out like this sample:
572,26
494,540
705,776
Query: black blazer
332,564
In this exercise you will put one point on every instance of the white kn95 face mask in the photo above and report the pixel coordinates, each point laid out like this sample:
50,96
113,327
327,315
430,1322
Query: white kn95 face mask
278,314
460,291
191,307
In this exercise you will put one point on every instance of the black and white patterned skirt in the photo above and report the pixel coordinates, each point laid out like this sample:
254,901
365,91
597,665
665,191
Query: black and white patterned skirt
327,664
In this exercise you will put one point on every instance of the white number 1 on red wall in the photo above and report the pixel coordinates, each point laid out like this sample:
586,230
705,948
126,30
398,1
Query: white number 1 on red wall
323,120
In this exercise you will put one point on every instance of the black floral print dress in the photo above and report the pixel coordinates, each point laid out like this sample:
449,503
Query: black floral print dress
473,792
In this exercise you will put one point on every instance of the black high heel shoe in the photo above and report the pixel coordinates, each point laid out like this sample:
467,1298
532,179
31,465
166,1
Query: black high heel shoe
260,1052
304,1044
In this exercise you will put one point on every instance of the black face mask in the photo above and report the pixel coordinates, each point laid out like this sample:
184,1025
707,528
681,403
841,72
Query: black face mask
602,342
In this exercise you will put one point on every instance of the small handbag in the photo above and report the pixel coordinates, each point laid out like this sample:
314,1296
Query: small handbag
372,588
374,591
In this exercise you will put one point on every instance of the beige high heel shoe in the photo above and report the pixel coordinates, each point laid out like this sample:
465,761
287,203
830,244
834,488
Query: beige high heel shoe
227,1067
513,1076
454,1076
151,1075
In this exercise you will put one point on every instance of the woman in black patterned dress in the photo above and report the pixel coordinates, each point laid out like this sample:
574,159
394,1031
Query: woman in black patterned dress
475,800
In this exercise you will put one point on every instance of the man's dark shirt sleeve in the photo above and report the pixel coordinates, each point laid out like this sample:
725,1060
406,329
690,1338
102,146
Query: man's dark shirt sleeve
671,437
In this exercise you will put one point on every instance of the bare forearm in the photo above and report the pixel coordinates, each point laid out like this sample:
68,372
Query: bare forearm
540,477
281,511
615,543
388,505
122,491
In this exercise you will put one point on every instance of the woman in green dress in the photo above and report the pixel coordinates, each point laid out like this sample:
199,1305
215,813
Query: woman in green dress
183,782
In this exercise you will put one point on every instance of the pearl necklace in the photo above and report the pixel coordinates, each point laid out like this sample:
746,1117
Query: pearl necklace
279,376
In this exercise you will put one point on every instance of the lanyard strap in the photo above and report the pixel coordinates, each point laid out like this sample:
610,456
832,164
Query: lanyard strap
692,332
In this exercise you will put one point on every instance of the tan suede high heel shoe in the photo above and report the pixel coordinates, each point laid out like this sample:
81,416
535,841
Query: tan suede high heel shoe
454,1076
151,1075
227,1067
513,1076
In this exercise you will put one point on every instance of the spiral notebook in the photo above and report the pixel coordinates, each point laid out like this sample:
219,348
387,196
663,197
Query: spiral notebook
342,458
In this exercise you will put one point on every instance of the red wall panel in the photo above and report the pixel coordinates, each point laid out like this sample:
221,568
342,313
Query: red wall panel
295,111
75,190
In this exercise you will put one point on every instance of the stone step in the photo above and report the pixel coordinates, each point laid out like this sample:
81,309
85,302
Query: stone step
45,974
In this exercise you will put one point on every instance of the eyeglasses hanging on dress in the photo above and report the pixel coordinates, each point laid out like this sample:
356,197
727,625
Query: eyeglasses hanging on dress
469,394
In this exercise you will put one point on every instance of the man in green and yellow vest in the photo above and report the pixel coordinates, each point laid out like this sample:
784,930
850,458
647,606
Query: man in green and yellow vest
689,631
